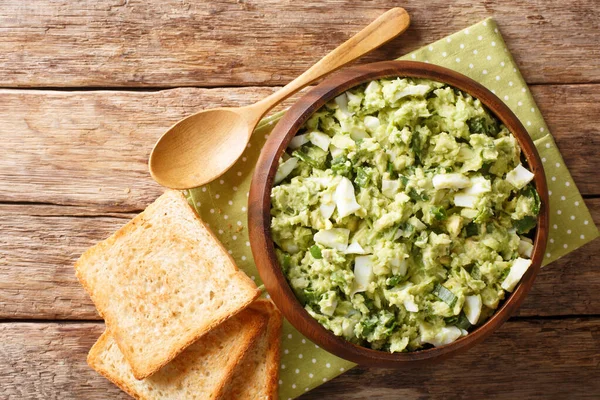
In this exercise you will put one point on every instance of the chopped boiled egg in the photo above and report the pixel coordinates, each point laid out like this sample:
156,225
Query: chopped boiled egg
342,103
454,224
519,177
400,295
525,248
372,87
342,141
479,185
363,273
371,123
469,213
319,139
344,198
465,200
335,151
416,222
468,196
410,305
412,90
472,308
327,210
353,98
450,181
445,335
285,168
517,270
298,141
355,248
355,132
390,187
399,265
335,238
401,198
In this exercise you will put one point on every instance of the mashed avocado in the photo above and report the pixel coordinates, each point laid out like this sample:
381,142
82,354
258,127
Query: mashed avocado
400,213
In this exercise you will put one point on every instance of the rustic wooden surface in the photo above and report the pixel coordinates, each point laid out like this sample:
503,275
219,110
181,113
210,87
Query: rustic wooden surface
124,43
86,148
73,167
507,366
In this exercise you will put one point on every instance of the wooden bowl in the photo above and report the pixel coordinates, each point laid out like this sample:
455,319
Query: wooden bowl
259,216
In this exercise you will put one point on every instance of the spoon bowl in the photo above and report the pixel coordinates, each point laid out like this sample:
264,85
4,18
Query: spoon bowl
201,147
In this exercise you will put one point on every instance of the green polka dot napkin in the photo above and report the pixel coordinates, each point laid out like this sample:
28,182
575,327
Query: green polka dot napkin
478,52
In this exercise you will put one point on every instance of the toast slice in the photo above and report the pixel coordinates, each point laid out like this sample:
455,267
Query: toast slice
200,372
161,282
256,376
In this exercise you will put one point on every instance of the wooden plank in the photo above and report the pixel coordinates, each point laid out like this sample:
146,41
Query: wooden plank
40,244
38,248
568,109
118,43
547,359
91,147
47,361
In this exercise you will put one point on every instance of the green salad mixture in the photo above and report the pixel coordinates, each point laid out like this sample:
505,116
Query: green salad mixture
400,213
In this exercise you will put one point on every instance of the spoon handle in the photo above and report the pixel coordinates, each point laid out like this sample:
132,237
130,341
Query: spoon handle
389,25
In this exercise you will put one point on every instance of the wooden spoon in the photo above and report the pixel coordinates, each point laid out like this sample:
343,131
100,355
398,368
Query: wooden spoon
201,147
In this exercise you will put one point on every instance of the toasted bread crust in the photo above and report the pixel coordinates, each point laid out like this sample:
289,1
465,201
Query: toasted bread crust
252,323
258,373
93,360
142,369
274,339
258,328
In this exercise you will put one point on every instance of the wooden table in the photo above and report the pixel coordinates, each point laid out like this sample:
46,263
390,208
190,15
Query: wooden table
88,86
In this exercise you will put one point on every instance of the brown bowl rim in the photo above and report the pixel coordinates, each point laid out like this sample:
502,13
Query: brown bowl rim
259,218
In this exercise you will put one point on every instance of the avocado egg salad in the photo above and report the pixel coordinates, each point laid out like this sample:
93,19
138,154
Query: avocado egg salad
400,214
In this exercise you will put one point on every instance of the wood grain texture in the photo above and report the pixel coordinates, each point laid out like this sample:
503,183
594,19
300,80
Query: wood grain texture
40,244
90,148
219,136
118,43
87,151
547,359
48,361
38,249
568,109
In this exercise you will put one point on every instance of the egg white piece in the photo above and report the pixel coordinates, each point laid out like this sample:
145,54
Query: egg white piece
410,305
342,103
450,181
465,200
478,185
517,270
285,168
525,248
335,238
390,187
298,141
319,139
519,177
472,308
335,151
363,272
446,335
355,248
372,123
344,198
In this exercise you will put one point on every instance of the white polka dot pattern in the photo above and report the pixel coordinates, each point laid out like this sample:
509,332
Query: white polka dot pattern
478,52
